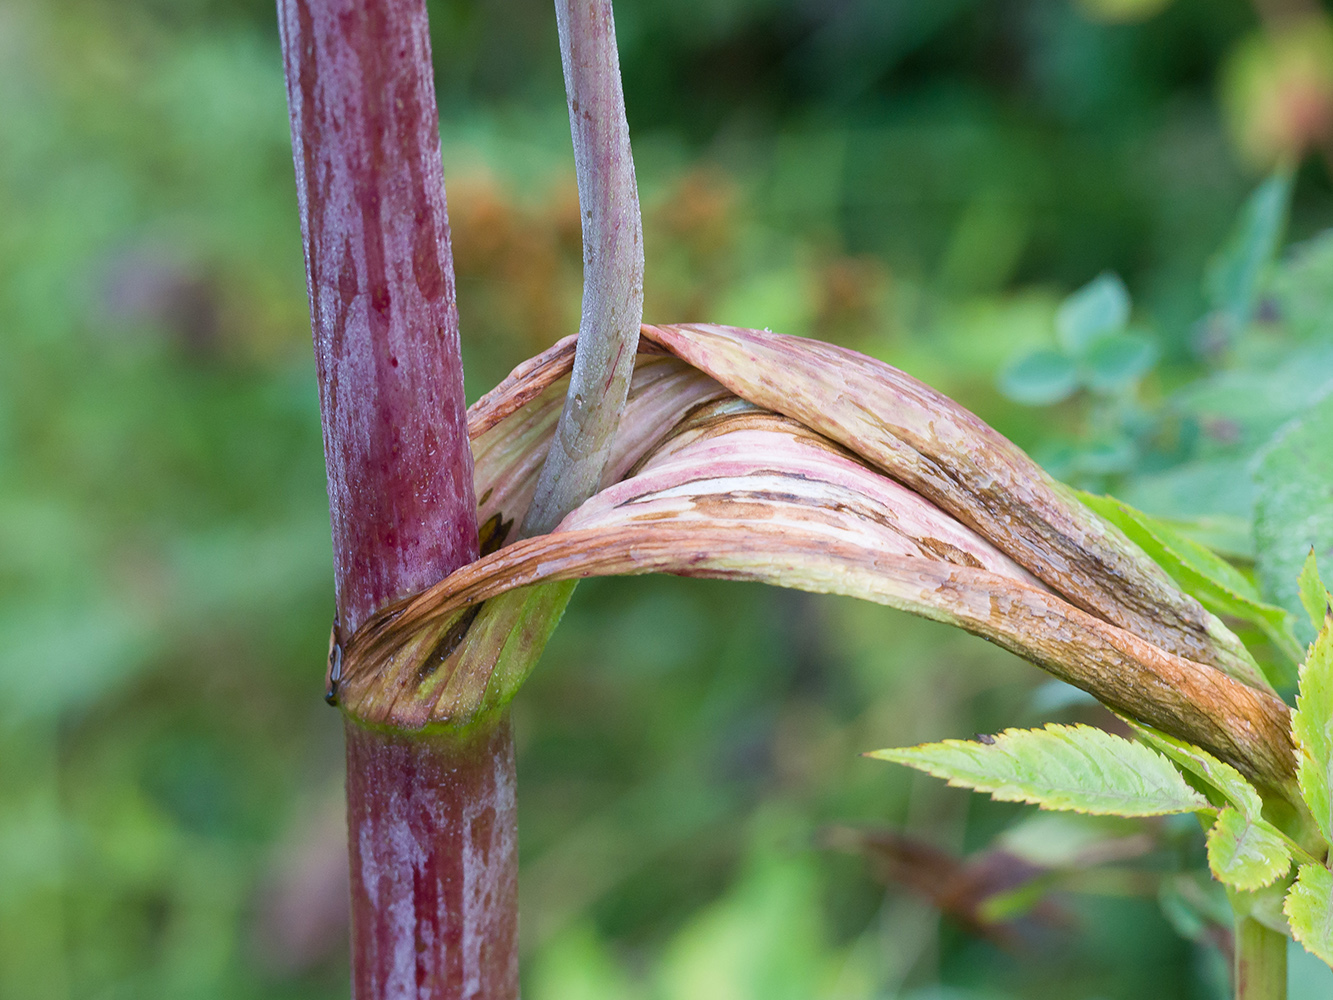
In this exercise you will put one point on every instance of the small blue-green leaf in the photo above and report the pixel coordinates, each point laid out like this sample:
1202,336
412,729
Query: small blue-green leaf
1076,768
1309,911
1117,361
1246,853
1099,307
1040,378
1314,595
1232,280
1294,506
1220,775
1312,729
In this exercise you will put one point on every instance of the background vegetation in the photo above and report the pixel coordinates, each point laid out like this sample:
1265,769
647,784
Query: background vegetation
924,182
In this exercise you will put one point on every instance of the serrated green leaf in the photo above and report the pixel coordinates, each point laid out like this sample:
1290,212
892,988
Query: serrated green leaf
1309,911
1292,509
1114,362
1232,281
1218,774
1078,768
1215,583
1314,595
1039,378
1246,853
1099,307
1312,729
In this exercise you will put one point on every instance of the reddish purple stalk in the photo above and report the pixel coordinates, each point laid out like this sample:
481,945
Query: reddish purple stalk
380,278
431,819
443,923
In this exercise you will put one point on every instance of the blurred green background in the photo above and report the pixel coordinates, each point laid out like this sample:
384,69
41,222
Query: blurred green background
925,182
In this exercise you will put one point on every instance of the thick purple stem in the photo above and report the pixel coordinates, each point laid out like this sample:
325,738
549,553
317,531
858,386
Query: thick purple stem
380,276
430,819
429,922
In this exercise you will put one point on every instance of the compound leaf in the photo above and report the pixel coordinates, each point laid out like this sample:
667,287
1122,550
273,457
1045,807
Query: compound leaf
1309,910
1314,595
1312,728
1078,768
1246,853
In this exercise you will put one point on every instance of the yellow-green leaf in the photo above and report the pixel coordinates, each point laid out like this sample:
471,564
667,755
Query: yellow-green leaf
1246,853
1228,782
1312,729
1309,910
1314,595
1077,768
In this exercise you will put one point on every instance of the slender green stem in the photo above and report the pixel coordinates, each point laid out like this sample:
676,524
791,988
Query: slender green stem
1261,961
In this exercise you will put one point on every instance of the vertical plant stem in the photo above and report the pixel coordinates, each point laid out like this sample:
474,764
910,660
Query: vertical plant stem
612,264
430,922
380,278
431,818
1261,961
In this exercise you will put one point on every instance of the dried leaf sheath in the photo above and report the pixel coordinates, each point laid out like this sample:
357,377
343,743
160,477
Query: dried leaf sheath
1237,723
942,451
722,488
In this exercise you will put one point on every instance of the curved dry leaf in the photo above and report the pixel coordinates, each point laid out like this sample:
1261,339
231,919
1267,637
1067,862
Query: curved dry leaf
945,453
724,489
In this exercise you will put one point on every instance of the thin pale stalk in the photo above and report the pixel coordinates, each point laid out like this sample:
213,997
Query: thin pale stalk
612,265
1261,961
431,821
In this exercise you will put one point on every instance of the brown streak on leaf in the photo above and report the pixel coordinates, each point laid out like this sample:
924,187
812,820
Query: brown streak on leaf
1189,700
948,455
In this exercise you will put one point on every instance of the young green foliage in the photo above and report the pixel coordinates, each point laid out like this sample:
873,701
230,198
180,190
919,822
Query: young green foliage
1096,350
1246,852
1217,585
1078,768
1234,274
1084,769
1292,513
1314,595
1309,910
1312,728
1098,308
